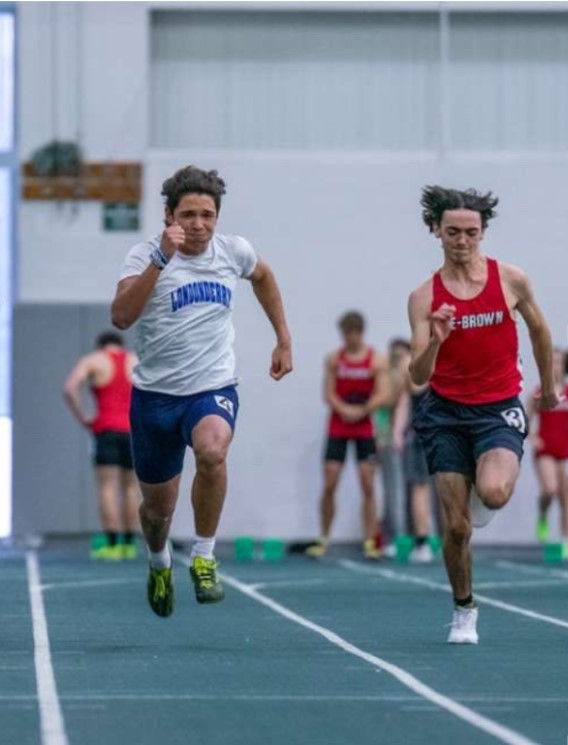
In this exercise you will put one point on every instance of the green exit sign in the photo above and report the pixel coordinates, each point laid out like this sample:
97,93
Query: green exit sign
121,216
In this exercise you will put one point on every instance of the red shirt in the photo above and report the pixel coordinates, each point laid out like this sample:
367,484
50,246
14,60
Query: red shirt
354,384
479,361
553,430
113,399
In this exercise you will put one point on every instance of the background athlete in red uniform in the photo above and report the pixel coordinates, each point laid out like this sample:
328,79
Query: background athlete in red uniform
464,343
550,443
355,385
108,374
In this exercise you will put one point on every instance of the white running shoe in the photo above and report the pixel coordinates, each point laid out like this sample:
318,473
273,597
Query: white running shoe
464,626
389,552
480,514
422,554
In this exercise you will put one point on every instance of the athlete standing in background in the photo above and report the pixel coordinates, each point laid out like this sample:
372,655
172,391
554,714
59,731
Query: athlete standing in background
465,345
417,479
355,386
550,443
108,373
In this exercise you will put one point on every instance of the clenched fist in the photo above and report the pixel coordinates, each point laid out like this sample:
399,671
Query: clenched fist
441,321
173,238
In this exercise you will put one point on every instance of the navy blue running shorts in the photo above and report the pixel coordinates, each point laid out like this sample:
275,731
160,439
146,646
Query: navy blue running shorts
455,435
162,425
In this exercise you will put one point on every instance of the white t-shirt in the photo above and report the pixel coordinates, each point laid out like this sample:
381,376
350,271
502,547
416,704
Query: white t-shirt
185,334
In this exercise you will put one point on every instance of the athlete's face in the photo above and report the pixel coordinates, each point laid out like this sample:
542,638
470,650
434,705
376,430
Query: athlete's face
461,232
399,357
197,215
353,340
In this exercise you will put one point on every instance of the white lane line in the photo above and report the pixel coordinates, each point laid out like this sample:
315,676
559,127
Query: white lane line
411,579
51,718
522,583
300,698
499,731
287,583
88,583
527,569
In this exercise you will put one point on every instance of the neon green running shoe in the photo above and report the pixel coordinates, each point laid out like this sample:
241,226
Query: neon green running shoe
107,553
203,573
161,594
318,549
542,530
129,551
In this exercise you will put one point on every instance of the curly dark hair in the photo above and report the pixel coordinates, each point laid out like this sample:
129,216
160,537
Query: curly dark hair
192,180
436,200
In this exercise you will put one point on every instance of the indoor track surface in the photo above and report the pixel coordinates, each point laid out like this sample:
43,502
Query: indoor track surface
331,652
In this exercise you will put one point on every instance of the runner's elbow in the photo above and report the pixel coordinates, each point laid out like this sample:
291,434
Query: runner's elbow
120,319
417,376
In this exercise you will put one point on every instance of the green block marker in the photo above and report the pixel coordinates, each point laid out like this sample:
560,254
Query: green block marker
273,549
404,545
553,552
435,542
98,540
244,548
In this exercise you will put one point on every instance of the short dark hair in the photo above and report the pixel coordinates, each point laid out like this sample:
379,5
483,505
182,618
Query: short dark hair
351,321
436,200
192,180
109,337
399,341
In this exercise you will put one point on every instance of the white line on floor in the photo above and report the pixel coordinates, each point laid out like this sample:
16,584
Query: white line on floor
522,583
136,696
51,719
499,731
527,569
412,579
287,583
88,583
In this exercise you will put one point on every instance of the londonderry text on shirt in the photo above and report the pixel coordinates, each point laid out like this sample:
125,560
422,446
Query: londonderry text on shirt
200,292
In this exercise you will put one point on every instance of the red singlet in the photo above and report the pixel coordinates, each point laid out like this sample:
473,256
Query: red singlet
553,431
479,362
113,399
354,384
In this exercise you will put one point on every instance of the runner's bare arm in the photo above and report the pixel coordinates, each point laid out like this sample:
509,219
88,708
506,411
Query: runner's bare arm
131,297
429,331
539,332
268,294
381,395
78,377
133,293
401,420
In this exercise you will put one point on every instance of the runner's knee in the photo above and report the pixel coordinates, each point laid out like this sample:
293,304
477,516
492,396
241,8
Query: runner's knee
495,496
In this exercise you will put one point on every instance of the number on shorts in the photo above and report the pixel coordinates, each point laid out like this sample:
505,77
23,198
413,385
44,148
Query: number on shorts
515,418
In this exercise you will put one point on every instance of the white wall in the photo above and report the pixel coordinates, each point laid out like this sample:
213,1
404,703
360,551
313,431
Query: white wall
340,231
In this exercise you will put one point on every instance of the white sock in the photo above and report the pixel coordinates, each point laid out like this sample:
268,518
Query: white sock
160,559
203,547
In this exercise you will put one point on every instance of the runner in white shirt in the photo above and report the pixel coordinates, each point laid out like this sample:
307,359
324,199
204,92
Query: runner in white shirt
179,287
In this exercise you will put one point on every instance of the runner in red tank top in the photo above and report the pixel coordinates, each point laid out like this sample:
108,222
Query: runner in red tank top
464,343
355,385
108,372
550,444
